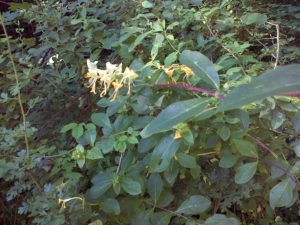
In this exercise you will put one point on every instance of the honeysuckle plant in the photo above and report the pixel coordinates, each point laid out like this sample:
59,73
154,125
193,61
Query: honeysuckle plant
191,115
111,76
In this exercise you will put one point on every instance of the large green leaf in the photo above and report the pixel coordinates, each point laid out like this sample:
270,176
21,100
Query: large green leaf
281,80
163,153
161,218
282,194
110,205
246,148
101,120
195,204
101,183
131,186
201,66
187,161
254,18
174,114
220,219
154,186
245,172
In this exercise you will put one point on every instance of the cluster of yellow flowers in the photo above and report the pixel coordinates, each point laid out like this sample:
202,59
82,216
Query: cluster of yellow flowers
112,76
170,70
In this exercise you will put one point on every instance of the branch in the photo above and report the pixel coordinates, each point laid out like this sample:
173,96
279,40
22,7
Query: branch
286,171
278,43
193,88
17,84
120,162
167,210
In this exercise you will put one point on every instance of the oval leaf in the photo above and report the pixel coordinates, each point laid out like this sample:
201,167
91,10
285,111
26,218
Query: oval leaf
246,148
245,172
194,205
220,219
282,194
174,114
101,120
201,66
131,186
282,79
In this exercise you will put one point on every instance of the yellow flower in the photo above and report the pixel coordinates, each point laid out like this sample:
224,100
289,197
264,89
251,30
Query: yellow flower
105,77
111,76
128,76
177,135
116,86
187,70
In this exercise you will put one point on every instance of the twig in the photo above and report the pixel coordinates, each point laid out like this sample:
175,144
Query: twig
278,43
167,210
206,153
208,24
35,182
263,146
120,162
17,84
286,171
193,88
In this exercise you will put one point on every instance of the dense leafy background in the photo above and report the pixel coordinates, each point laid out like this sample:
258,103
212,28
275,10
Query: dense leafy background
174,151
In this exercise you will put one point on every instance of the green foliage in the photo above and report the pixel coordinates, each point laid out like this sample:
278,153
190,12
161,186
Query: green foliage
182,125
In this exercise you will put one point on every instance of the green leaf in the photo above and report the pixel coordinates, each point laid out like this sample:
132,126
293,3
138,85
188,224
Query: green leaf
139,40
68,127
171,173
220,219
94,153
201,66
282,194
188,136
106,144
161,218
110,205
101,120
131,186
195,204
296,122
147,4
254,18
227,159
163,153
154,186
186,161
143,218
77,131
171,58
96,222
296,168
101,183
246,148
245,172
224,133
80,162
91,133
174,114
133,140
158,41
280,80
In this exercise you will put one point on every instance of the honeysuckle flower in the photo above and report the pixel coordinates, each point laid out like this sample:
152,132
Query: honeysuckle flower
128,76
113,68
113,75
170,70
52,59
117,86
105,77
63,202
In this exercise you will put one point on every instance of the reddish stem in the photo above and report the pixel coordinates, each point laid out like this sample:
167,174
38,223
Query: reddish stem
193,88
